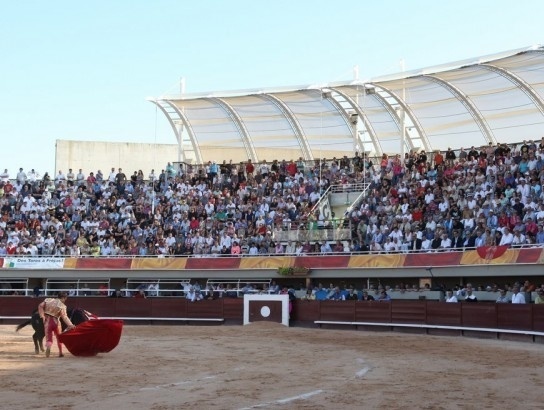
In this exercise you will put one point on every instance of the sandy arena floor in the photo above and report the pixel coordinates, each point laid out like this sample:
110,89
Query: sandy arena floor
269,366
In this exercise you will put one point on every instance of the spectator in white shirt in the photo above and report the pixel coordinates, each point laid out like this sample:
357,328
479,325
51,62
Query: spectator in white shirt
507,237
519,238
523,189
375,247
388,246
517,297
21,176
290,248
468,223
396,233
431,224
113,174
60,177
194,295
426,244
444,205
4,176
450,297
445,243
471,203
326,248
429,196
226,241
253,250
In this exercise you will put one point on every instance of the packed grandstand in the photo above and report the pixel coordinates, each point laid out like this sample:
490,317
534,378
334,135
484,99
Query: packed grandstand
439,201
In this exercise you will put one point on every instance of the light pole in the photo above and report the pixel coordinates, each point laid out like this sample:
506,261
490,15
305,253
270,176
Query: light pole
403,114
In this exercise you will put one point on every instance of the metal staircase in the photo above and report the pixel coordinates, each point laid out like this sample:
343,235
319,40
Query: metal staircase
341,198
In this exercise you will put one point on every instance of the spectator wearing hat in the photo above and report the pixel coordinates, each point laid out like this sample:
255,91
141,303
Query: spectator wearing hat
523,189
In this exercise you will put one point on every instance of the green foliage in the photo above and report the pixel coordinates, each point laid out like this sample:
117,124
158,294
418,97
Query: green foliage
293,270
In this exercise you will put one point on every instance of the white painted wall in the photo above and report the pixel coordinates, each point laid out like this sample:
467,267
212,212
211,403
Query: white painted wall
95,155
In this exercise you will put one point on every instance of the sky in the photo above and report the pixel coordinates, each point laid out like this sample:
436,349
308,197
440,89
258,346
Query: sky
84,70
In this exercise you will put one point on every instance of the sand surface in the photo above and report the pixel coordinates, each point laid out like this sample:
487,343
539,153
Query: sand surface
269,366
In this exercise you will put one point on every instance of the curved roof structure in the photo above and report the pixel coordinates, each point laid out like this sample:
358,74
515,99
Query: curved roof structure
496,98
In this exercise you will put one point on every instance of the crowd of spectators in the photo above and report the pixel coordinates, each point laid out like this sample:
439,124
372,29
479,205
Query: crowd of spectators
455,200
517,292
437,201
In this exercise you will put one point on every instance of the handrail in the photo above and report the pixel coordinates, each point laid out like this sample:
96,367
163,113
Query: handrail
351,187
95,292
321,199
382,252
340,188
357,200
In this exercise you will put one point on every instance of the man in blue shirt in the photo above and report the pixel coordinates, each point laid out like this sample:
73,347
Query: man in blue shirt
337,295
540,234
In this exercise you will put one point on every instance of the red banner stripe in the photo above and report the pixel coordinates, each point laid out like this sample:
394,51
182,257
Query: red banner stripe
433,259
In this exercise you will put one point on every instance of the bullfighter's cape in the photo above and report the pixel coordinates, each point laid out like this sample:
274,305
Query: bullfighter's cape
93,336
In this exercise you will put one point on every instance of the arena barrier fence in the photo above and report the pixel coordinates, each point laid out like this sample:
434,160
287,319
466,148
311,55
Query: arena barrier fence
525,321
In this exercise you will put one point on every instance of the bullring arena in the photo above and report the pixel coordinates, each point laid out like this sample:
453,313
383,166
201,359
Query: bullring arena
380,261
265,365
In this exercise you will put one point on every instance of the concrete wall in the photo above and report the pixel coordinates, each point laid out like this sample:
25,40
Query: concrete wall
219,153
95,155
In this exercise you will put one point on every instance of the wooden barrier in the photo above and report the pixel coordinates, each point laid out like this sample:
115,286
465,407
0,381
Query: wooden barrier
412,295
527,319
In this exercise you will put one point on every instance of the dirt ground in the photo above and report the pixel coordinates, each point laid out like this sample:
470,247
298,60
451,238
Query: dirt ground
269,366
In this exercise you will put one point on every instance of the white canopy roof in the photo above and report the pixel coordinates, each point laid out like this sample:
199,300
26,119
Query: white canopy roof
497,98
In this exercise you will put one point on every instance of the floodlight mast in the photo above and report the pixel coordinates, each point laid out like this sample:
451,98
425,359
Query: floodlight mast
403,114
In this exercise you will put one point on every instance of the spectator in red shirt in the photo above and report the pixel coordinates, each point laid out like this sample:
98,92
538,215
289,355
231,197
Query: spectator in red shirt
8,188
235,248
11,249
530,226
250,168
417,215
438,159
194,224
292,168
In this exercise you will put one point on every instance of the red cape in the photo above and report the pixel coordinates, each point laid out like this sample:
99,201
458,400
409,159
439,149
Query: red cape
92,337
